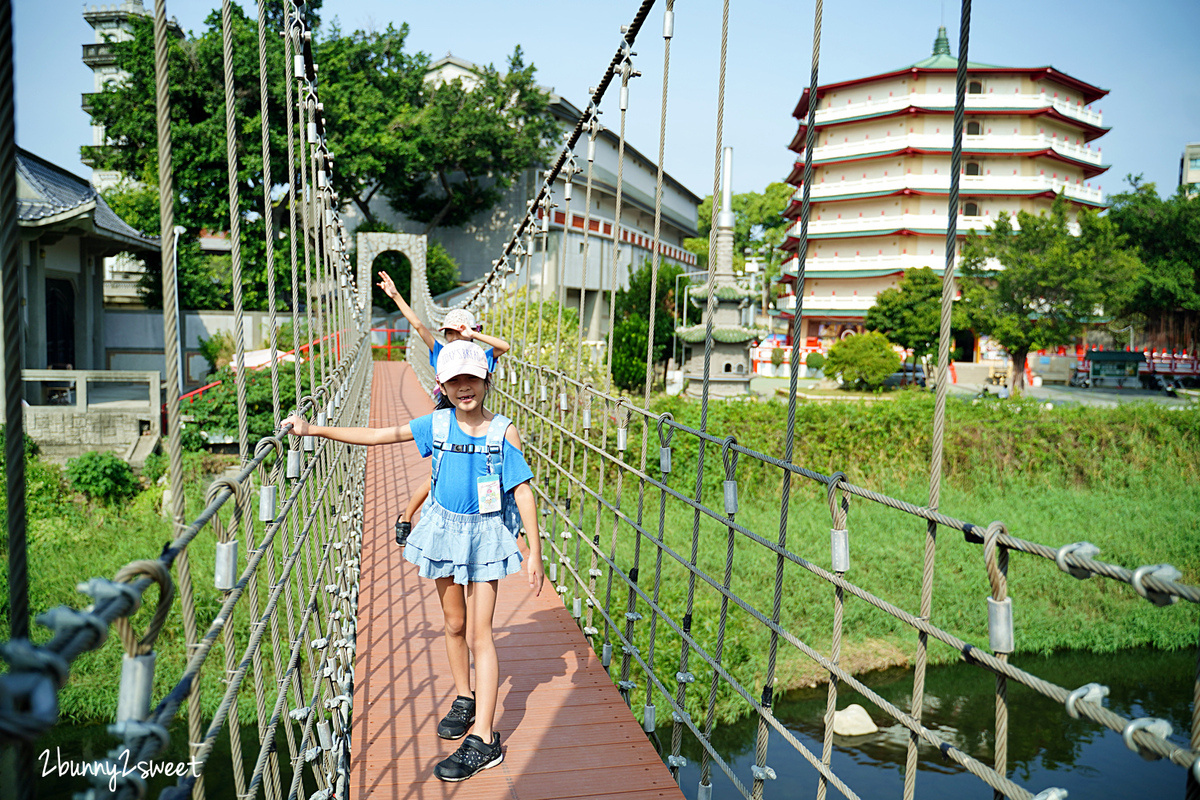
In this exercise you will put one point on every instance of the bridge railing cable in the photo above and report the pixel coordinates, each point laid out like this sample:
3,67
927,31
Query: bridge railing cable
303,539
577,431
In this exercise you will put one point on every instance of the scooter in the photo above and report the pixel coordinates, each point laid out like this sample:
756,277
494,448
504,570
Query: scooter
1081,379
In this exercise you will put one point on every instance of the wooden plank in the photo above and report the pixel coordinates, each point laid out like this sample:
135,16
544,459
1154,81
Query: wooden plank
566,731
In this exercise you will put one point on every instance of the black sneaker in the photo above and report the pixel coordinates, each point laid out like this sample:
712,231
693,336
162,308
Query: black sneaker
472,756
460,717
403,528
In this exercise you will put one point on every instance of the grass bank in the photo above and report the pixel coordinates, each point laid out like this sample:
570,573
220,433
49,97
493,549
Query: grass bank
70,541
1124,479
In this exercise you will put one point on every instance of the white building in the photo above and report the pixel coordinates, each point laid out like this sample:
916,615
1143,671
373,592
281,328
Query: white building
881,174
475,244
1189,168
111,23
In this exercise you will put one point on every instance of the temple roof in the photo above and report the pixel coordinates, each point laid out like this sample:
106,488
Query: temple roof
50,197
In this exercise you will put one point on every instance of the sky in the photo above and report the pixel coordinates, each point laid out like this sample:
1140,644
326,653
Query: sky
1145,53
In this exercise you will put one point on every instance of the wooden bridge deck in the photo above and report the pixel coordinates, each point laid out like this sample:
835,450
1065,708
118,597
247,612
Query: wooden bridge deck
565,729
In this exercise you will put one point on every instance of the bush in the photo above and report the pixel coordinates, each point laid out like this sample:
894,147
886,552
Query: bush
863,361
814,361
215,411
155,467
102,476
630,338
217,349
777,357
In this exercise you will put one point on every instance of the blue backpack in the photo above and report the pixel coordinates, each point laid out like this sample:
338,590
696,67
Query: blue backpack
493,448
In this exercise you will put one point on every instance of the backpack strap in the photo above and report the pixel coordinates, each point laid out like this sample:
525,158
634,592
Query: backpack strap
441,432
495,443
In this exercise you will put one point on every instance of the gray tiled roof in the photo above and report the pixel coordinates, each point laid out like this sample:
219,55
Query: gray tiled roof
47,190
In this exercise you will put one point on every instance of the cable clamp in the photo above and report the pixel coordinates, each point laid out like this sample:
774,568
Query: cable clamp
839,548
64,619
300,713
133,728
596,573
1079,550
1163,572
763,773
664,460
1090,693
311,754
685,677
590,630
1053,793
626,686
731,497
323,794
319,644
1000,625
101,589
630,650
676,762
1151,725
632,616
562,589
680,718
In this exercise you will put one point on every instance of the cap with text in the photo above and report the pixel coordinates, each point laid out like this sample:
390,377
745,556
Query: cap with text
461,358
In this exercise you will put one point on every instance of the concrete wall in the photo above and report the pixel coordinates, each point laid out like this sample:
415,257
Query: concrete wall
133,339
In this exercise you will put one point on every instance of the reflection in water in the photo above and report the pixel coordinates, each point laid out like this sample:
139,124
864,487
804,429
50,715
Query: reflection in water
85,743
1045,746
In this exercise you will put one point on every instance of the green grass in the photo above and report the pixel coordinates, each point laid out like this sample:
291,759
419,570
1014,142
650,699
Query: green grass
70,541
1124,479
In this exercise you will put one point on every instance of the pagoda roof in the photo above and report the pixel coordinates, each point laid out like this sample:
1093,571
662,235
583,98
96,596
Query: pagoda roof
941,62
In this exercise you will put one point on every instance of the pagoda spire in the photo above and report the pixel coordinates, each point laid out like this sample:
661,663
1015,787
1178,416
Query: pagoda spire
941,45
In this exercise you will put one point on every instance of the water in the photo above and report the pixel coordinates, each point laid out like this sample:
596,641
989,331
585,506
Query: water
80,744
1046,748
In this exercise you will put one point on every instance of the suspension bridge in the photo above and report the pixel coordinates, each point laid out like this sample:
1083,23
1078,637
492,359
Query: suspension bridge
340,658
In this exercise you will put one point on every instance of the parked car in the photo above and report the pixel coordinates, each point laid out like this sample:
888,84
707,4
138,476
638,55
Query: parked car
908,374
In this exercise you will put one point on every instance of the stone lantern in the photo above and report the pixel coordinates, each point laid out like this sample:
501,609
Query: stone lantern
733,315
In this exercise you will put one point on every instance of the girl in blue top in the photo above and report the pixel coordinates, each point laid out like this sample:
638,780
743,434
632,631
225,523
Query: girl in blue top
466,537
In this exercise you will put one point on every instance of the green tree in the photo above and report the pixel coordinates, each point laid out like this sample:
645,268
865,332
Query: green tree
1050,283
629,352
373,93
472,139
910,314
759,224
438,153
633,302
1166,233
863,361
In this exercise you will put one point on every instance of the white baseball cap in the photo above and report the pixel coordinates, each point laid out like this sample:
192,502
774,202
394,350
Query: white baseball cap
458,319
461,358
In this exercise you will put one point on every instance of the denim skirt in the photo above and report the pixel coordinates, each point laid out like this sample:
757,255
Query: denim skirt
471,548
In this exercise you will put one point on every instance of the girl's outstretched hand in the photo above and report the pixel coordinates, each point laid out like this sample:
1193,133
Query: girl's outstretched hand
536,575
299,425
386,284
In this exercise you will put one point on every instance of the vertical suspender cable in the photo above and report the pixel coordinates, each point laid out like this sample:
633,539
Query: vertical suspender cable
677,728
655,260
941,389
810,142
166,206
14,427
239,338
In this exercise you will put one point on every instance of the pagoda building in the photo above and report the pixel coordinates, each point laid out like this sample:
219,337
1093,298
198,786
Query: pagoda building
881,175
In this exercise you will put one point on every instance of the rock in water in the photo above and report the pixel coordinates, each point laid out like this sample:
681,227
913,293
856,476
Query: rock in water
853,720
